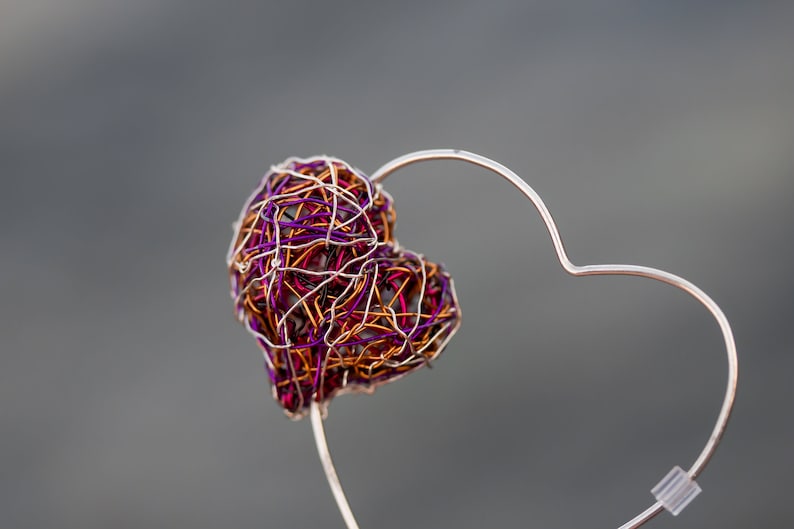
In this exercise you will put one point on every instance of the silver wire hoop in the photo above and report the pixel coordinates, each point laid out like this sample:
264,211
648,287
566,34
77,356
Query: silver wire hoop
671,481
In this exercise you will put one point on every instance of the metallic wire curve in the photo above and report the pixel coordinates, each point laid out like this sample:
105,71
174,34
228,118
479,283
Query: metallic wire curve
575,270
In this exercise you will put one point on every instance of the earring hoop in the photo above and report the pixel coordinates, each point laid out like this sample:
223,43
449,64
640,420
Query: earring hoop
678,487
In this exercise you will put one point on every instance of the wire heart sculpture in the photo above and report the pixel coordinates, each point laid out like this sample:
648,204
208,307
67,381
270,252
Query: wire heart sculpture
292,297
320,281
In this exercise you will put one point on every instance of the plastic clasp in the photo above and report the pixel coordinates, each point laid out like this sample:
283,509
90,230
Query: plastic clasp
676,490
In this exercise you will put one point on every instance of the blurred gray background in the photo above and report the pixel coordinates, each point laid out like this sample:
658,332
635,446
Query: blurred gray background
658,133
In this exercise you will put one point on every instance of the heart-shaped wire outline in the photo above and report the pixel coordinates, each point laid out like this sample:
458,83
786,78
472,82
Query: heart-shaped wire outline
575,270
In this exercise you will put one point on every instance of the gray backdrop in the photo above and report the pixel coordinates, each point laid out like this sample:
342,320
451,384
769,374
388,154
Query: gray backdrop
659,133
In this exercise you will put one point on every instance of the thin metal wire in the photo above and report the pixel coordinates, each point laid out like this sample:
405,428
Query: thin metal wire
316,415
587,270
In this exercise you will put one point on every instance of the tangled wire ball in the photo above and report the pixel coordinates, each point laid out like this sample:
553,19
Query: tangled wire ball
319,279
